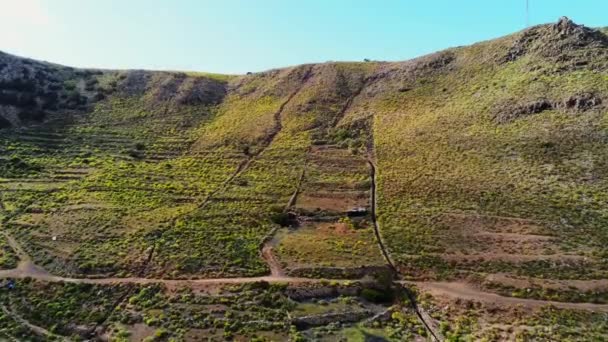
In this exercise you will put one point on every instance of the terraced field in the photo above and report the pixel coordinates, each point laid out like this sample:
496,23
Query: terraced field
458,196
335,235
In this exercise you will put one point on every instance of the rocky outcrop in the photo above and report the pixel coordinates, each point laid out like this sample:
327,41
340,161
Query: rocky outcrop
31,90
174,88
561,41
577,103
581,102
510,113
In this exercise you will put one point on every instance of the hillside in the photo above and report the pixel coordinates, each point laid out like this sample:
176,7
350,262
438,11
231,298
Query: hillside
433,197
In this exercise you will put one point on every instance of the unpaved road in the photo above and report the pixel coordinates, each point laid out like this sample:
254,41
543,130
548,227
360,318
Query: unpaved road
27,269
452,290
273,263
460,290
556,284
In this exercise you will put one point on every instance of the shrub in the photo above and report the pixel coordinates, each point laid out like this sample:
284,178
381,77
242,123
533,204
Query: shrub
99,97
282,219
135,154
19,85
376,296
90,84
69,85
161,333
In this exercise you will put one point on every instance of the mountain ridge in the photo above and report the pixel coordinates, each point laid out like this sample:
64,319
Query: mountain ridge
544,34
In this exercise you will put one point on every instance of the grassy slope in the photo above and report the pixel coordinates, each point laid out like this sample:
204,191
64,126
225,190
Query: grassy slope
441,152
451,157
145,173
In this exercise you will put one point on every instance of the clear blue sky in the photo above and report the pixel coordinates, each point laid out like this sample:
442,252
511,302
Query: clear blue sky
236,36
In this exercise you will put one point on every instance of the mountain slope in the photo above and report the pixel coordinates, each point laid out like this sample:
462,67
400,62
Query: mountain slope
490,162
496,163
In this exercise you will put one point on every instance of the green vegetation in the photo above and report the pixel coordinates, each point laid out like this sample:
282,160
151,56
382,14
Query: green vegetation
475,321
8,257
92,182
62,309
329,245
211,75
14,167
448,163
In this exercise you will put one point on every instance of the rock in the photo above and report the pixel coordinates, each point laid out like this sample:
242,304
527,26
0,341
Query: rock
575,103
582,102
134,82
175,88
566,26
200,91
559,41
509,113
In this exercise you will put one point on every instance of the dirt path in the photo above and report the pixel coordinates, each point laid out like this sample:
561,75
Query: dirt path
16,247
276,270
460,290
36,272
557,284
267,246
243,166
350,100
27,269
40,331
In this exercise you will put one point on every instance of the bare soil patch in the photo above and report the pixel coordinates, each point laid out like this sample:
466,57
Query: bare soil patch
483,237
331,202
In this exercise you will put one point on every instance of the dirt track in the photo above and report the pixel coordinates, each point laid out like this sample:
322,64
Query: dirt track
273,263
465,291
452,290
